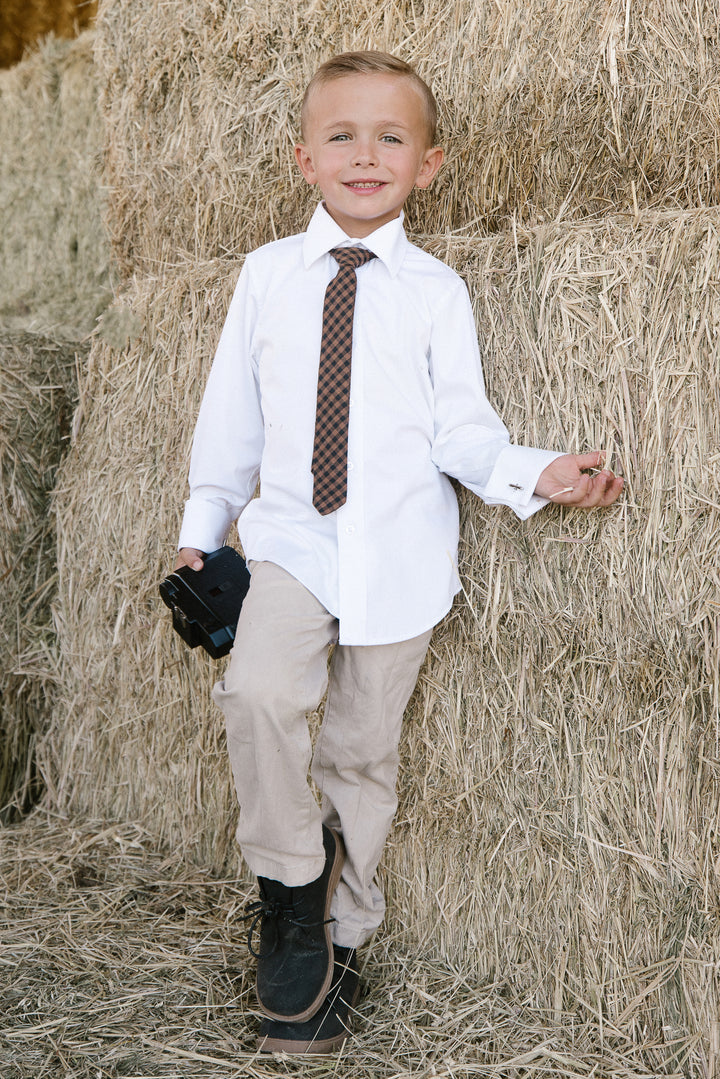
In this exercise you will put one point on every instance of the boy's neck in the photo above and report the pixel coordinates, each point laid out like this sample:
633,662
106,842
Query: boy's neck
360,229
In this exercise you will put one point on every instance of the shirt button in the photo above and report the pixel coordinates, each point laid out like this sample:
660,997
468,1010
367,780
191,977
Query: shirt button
350,529
351,466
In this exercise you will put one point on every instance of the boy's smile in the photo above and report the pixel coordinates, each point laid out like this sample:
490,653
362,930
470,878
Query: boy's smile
366,147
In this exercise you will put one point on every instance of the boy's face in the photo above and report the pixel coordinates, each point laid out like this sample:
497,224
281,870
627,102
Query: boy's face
366,146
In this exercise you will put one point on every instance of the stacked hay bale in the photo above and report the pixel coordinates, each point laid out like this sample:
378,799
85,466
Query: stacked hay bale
558,829
547,110
37,383
54,281
54,274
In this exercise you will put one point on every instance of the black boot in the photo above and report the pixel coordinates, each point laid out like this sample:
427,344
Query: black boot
295,961
329,1027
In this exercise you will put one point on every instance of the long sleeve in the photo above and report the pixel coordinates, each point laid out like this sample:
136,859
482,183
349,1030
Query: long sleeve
228,441
471,442
418,414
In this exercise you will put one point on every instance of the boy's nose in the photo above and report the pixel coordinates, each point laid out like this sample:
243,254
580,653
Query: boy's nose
364,154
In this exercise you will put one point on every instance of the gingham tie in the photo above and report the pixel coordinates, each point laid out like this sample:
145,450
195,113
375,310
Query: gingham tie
329,464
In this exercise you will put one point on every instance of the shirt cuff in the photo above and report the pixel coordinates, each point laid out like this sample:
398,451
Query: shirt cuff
513,479
205,525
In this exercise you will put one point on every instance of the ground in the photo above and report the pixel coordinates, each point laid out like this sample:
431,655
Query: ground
117,959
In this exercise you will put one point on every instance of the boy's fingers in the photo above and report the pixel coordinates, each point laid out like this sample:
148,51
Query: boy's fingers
595,459
188,556
595,496
571,495
613,491
588,491
591,491
603,491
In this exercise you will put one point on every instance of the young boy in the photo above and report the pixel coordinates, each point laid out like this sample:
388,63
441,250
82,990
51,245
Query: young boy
348,380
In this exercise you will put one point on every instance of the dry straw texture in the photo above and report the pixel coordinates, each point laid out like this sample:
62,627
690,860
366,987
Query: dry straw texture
559,822
120,961
54,275
547,109
54,280
37,396
554,870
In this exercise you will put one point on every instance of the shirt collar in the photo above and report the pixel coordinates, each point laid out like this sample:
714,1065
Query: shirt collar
389,242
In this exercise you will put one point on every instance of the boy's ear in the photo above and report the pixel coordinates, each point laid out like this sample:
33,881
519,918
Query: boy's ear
304,160
432,161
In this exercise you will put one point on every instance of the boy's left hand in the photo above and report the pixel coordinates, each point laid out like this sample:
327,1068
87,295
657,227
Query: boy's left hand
567,481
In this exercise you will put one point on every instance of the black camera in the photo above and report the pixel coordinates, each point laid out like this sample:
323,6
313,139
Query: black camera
206,603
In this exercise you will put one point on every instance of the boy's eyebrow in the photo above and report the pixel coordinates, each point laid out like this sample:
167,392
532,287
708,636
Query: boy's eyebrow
380,123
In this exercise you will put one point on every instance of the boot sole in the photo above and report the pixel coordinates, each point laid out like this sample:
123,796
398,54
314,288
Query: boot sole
316,1047
319,1000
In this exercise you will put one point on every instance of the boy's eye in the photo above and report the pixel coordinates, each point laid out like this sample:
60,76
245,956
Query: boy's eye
390,138
341,137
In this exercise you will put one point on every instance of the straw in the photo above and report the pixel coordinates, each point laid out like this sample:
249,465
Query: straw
547,111
54,259
558,820
122,960
37,390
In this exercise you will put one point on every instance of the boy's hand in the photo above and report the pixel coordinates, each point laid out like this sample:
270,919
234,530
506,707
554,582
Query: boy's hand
567,482
189,556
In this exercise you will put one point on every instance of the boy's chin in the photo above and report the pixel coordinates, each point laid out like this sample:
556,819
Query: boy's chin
360,226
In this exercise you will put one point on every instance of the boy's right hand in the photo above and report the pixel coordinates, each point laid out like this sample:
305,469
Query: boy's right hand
189,556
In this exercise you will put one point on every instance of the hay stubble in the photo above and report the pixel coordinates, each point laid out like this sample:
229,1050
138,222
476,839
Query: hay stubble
120,960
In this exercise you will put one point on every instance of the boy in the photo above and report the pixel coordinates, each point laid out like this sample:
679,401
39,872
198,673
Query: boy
354,534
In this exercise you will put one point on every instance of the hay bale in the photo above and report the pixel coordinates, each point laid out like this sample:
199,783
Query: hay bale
37,393
558,827
569,733
547,110
24,22
133,423
54,281
54,258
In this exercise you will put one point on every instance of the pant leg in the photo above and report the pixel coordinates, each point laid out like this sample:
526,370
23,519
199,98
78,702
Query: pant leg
276,675
355,766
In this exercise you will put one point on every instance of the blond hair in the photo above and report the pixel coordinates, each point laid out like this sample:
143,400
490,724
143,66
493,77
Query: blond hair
372,62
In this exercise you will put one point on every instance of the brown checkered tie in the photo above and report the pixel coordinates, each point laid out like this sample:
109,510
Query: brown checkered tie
329,464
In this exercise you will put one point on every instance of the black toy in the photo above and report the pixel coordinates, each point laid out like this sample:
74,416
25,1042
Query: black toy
206,603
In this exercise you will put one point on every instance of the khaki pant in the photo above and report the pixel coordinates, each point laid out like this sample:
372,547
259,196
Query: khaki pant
278,673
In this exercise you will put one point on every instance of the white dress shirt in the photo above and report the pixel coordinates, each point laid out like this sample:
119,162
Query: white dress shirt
385,563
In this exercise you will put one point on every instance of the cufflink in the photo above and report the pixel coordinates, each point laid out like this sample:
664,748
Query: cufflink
516,487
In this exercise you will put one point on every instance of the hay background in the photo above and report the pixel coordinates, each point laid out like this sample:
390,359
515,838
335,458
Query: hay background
548,110
554,870
54,258
54,281
558,828
37,397
24,22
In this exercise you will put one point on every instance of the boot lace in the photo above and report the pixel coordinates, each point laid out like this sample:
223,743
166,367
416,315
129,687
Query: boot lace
273,910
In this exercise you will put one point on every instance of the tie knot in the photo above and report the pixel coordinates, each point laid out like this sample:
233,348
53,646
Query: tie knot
349,258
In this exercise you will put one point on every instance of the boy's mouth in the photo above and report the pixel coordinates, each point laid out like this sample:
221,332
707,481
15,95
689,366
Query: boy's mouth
365,185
